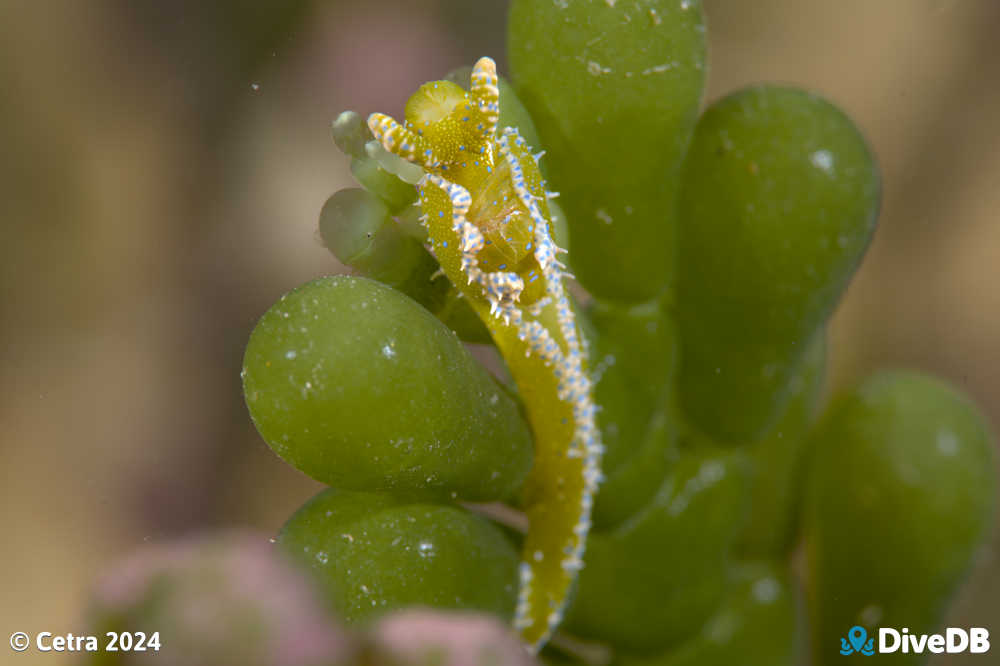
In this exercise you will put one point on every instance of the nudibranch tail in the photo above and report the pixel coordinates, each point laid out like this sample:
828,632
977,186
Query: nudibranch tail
485,207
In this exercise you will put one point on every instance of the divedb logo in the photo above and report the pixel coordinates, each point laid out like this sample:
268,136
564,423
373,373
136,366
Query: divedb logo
975,640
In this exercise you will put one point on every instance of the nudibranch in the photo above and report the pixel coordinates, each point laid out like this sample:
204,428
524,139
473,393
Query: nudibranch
485,207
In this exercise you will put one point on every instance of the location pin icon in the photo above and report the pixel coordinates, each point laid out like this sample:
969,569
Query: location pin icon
857,636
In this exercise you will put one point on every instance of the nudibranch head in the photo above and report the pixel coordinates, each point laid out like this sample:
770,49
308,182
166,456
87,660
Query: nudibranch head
452,134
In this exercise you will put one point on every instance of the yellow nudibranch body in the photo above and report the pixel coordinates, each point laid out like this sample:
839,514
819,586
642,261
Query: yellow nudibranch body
485,208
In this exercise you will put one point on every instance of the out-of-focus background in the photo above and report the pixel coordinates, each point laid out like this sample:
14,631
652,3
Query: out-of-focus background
162,167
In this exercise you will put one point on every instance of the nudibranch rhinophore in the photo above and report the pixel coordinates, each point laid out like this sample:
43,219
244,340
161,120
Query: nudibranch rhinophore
485,207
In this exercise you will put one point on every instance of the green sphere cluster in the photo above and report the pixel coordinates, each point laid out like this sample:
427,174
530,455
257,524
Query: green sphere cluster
714,245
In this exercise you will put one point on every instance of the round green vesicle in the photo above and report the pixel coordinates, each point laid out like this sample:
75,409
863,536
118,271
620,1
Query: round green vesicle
778,203
633,352
361,388
351,133
634,483
756,625
372,553
900,495
396,193
633,357
777,462
358,229
614,90
652,581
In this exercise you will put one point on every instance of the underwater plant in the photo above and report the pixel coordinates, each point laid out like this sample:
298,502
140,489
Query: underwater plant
634,483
